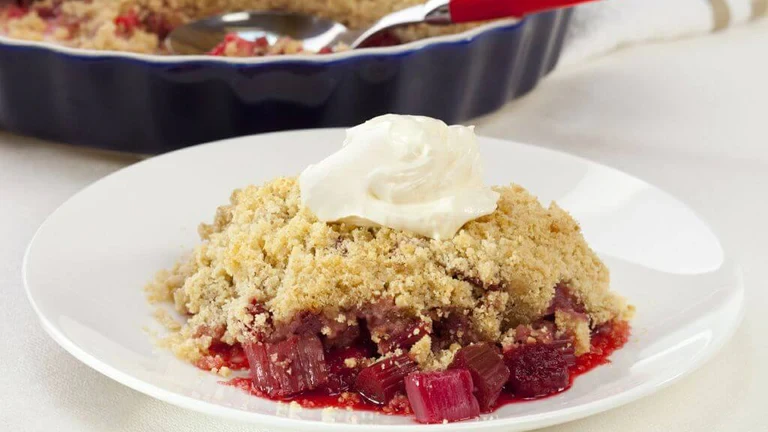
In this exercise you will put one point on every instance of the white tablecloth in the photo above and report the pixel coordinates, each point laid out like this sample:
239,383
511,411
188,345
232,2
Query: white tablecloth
689,116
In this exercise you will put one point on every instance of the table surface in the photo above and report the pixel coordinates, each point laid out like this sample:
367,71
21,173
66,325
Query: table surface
689,116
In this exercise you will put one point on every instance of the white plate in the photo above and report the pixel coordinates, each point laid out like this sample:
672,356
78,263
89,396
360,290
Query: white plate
86,266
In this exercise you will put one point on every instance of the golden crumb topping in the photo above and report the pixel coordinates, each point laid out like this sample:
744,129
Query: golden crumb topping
265,248
98,24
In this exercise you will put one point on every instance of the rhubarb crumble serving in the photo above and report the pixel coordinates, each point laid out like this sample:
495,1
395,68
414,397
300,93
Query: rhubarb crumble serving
389,277
141,26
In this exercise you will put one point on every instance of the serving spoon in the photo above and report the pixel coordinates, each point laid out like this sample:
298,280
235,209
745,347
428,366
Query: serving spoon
315,33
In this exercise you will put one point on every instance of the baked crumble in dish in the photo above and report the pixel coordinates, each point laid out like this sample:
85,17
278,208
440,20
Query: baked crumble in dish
141,26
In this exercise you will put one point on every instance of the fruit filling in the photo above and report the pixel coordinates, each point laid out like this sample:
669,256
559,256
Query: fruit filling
488,371
444,396
509,306
381,381
387,391
322,338
537,370
286,368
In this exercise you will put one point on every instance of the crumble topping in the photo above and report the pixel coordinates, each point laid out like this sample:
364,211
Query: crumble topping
141,25
265,260
576,326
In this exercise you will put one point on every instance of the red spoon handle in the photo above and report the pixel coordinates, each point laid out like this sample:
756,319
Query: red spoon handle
482,10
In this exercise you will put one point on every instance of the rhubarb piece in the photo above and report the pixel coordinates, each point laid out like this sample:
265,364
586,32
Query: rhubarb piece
489,373
564,300
537,370
391,329
442,396
289,367
305,323
455,327
344,365
566,350
341,336
381,381
540,331
405,337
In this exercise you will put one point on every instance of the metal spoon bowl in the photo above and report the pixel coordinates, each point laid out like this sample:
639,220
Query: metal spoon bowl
199,37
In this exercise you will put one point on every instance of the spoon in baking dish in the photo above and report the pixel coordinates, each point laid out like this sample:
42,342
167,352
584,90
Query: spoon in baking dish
199,37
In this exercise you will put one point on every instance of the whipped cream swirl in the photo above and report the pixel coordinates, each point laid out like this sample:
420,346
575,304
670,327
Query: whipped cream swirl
408,173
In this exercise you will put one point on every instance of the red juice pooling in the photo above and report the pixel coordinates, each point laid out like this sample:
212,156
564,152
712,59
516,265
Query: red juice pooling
322,399
605,340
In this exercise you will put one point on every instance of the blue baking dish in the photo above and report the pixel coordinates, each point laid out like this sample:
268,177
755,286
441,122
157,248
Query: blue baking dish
151,104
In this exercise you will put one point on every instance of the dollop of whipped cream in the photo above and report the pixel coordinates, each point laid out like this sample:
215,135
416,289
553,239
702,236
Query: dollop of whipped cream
408,173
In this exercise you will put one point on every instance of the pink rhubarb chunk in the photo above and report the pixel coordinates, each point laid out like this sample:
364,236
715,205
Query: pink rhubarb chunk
442,396
285,368
381,381
489,374
341,376
405,337
537,369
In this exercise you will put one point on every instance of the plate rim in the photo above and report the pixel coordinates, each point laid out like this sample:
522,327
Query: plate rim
527,422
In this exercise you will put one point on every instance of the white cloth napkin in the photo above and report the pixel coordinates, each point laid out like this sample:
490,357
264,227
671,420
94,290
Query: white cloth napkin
597,28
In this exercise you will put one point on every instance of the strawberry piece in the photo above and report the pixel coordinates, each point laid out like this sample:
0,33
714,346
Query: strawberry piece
289,367
489,373
442,396
127,23
219,49
537,370
381,381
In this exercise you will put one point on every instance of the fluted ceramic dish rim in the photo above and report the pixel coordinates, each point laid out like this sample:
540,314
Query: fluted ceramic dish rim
410,47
